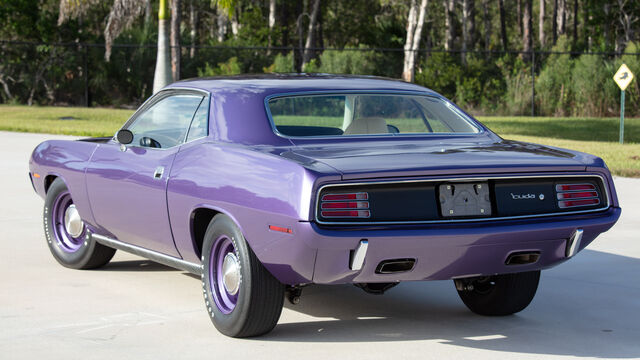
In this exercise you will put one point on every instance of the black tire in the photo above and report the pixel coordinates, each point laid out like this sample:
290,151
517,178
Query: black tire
80,252
501,295
259,296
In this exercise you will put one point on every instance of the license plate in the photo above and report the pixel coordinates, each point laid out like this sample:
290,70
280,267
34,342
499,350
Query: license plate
465,199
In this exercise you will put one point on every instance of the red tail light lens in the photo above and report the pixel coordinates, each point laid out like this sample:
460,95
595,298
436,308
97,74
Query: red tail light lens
343,206
574,187
576,195
346,205
342,197
347,214
575,203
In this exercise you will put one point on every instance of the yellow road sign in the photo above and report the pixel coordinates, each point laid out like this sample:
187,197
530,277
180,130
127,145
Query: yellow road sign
623,77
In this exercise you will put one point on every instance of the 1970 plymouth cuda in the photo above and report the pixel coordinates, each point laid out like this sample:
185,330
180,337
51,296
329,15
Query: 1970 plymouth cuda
264,184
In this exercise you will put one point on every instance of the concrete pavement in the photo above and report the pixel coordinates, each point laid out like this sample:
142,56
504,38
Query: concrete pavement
588,307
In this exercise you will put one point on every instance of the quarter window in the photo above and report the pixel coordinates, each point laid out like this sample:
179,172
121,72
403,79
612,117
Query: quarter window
200,124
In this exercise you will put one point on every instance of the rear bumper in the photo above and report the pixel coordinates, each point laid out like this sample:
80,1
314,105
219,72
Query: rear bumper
447,251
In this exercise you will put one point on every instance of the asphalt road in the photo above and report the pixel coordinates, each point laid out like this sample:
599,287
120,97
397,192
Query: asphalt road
133,308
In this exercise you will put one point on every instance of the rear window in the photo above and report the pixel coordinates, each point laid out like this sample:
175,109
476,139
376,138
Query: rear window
366,114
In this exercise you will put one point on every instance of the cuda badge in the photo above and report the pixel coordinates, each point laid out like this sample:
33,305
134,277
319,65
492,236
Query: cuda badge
525,196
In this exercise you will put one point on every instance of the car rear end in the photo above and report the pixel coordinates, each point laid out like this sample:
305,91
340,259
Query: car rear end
428,193
445,227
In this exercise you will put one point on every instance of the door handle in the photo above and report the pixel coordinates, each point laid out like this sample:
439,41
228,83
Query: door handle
158,173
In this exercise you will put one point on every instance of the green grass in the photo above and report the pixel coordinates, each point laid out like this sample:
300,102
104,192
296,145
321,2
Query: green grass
50,120
598,136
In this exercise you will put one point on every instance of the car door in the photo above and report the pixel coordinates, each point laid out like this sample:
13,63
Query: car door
127,184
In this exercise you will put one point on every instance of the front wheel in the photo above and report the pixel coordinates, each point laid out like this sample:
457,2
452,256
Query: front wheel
243,299
499,295
66,233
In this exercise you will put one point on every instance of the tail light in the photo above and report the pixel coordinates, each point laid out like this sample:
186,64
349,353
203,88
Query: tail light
576,195
348,205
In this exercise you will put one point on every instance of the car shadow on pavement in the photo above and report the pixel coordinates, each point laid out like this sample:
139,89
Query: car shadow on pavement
136,265
588,307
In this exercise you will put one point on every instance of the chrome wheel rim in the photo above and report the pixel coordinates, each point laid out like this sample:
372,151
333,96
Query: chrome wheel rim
231,273
73,224
69,229
224,274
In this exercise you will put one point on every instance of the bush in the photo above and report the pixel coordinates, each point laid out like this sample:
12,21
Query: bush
440,72
281,64
517,77
231,67
593,88
346,62
553,85
481,85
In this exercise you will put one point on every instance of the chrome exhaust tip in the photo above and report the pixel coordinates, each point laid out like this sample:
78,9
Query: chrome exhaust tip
522,258
573,243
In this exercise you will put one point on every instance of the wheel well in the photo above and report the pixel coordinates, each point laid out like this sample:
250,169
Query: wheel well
48,180
200,219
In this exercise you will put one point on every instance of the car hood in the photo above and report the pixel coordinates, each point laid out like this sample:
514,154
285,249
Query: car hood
380,159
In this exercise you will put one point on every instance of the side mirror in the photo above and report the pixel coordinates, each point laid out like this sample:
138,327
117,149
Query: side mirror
124,136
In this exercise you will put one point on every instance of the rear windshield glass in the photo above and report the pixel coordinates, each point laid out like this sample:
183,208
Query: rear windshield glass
366,114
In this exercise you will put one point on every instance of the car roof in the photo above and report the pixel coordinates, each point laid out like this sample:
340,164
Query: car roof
266,84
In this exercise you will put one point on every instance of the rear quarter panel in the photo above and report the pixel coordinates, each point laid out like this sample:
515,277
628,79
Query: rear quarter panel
256,189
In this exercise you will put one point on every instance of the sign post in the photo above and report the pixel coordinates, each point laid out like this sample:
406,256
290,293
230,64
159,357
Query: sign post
623,78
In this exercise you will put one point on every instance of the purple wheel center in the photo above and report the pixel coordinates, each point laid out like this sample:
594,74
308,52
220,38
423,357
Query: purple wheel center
224,274
68,229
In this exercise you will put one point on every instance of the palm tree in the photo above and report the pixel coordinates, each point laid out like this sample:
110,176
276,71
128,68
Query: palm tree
163,75
123,13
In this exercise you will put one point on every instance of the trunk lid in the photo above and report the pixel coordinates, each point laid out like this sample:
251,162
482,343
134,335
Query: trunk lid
372,159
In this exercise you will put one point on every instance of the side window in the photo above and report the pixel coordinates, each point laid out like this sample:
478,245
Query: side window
200,124
165,123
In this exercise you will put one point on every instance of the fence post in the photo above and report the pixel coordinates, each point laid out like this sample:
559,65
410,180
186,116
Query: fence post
533,82
85,65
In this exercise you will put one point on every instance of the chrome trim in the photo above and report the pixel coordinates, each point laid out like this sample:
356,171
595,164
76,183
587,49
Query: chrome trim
149,254
157,174
483,178
473,122
357,260
573,244
73,224
231,273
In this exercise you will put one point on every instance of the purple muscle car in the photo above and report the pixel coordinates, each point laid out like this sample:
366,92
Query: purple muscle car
265,184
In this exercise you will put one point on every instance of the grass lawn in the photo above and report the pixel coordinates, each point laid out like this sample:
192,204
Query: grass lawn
598,136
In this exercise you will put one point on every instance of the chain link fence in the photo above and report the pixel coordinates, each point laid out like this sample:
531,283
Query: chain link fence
486,82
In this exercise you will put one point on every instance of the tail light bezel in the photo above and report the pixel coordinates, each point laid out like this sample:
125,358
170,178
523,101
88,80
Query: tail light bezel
577,195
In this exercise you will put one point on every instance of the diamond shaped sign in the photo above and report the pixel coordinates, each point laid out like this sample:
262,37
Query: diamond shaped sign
623,77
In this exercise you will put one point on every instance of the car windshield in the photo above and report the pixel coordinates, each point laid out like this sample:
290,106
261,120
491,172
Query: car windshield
366,114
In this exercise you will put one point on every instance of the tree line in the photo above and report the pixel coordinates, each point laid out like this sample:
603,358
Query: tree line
478,52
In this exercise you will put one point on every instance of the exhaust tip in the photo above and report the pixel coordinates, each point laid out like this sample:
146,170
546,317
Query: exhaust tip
522,258
395,266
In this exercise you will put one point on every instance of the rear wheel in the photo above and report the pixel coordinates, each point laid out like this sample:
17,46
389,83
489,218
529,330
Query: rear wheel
243,299
499,295
66,233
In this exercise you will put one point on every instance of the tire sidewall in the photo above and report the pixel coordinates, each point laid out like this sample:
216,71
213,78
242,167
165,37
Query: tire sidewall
82,255
232,323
